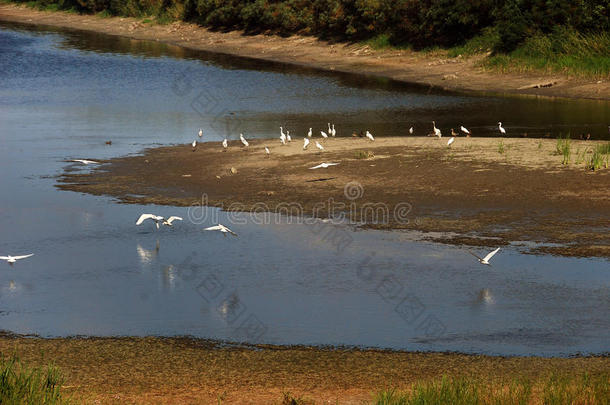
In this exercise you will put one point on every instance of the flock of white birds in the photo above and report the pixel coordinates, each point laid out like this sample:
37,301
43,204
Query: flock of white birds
285,138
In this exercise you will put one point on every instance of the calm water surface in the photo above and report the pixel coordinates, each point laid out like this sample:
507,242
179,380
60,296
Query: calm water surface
63,94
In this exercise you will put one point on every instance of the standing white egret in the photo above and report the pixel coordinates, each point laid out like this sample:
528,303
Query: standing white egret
243,140
333,132
485,260
324,165
309,134
323,134
502,130
450,141
437,131
411,130
370,136
305,143
283,139
319,146
194,145
267,151
225,144
13,259
220,228
464,130
329,130
288,138
282,134
200,132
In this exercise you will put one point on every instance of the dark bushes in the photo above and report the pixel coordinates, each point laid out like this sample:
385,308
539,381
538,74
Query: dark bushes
420,23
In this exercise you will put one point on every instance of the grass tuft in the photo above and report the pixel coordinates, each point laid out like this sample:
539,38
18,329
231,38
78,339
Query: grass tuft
22,385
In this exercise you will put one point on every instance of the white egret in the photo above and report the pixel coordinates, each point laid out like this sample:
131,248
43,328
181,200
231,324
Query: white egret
464,130
323,134
85,161
220,228
450,141
283,139
485,260
267,151
194,145
370,136
329,130
305,143
243,140
333,132
288,138
157,219
502,130
282,134
225,144
309,134
319,146
324,165
200,132
437,131
13,259
411,130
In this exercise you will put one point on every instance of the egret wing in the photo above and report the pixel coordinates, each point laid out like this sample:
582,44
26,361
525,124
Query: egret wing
213,228
23,257
475,255
3,257
144,217
490,255
172,218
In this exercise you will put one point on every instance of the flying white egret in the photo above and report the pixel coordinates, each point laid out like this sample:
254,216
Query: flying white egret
85,161
485,260
370,136
309,134
333,132
225,144
450,141
502,130
288,138
319,146
220,228
324,165
437,131
243,140
267,151
411,130
200,133
464,130
13,259
305,143
194,145
323,134
157,219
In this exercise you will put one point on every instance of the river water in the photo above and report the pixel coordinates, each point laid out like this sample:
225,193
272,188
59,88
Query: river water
64,93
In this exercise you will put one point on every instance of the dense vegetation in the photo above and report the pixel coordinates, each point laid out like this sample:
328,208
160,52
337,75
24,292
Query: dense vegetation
546,27
20,384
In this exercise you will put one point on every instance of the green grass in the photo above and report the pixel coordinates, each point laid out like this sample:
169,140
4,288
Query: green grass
363,154
564,148
501,148
104,14
569,52
554,390
20,384
600,158
485,42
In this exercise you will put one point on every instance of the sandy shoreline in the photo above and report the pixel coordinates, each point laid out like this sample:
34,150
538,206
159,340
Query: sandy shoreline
460,74
188,370
469,194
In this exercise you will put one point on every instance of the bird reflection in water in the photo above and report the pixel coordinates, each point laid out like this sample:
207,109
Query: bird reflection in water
485,296
230,307
168,278
147,256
